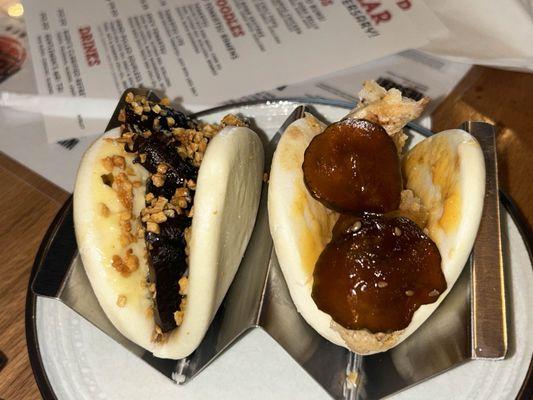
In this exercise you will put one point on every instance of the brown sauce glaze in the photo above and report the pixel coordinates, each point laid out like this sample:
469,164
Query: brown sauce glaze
353,166
376,272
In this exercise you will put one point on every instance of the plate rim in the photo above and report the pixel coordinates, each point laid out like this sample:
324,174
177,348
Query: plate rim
32,343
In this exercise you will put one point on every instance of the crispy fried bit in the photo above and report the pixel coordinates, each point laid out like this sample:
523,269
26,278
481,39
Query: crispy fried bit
165,101
129,97
389,109
158,179
104,210
184,285
153,227
178,317
121,300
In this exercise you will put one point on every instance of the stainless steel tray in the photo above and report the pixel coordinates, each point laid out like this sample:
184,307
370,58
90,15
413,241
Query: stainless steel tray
259,298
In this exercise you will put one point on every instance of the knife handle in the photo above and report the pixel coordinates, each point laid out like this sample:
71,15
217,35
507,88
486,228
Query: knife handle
488,309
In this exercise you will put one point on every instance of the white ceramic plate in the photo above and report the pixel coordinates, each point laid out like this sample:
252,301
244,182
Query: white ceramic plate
80,362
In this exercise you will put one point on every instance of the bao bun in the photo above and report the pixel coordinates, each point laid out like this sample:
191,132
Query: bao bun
225,205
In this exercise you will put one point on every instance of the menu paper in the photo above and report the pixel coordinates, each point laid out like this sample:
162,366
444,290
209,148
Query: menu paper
202,51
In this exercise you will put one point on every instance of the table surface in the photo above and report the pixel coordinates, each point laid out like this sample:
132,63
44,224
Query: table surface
500,97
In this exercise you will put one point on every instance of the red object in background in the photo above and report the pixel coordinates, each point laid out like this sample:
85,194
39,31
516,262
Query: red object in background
12,56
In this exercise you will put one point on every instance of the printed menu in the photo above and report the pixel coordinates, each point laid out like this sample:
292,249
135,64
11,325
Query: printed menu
202,51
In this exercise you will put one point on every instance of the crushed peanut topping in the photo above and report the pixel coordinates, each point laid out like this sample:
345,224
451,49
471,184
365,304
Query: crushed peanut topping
233,120
146,127
104,210
158,179
153,227
108,163
121,300
124,188
178,317
119,161
184,285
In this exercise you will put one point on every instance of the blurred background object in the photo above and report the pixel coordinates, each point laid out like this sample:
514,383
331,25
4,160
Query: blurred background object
12,38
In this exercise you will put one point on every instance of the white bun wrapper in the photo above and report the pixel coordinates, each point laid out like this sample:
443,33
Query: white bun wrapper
227,196
446,172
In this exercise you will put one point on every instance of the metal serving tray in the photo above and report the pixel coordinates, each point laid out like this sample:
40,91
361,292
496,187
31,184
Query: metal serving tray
468,324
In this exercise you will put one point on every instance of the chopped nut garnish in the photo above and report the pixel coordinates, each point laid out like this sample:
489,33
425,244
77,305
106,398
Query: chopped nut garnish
108,163
153,227
159,217
184,285
382,284
104,210
233,120
121,300
125,216
409,293
148,197
138,109
191,184
119,161
182,191
162,168
122,115
170,213
120,266
397,231
131,261
433,293
124,189
158,180
178,317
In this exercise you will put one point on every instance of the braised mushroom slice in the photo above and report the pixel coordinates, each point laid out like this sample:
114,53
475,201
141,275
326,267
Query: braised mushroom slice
353,166
376,272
